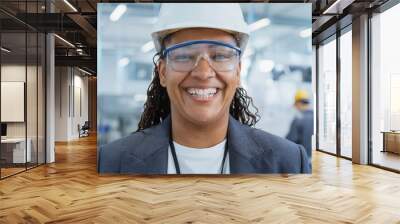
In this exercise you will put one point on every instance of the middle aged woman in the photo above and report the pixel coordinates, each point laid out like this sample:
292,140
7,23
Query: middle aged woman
197,118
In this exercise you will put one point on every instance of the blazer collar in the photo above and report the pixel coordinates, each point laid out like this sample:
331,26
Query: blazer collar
151,155
244,151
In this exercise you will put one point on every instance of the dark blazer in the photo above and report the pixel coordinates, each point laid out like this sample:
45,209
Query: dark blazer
250,151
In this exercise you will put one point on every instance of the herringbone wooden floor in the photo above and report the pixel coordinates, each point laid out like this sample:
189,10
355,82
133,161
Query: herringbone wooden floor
71,191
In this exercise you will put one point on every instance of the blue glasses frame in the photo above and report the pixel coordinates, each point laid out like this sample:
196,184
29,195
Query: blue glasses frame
184,44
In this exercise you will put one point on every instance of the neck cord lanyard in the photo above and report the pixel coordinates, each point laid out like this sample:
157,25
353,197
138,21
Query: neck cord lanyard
178,169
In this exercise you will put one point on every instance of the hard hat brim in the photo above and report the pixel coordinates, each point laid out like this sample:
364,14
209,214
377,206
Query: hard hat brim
159,36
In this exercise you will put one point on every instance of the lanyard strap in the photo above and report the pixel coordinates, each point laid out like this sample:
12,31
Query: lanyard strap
178,169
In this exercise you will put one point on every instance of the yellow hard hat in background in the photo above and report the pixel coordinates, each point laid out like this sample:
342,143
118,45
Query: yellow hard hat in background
302,95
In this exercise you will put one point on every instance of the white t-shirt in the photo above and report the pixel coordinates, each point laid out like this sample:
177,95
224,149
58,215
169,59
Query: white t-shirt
199,161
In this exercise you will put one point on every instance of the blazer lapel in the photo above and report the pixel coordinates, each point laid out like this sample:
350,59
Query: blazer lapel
244,153
150,156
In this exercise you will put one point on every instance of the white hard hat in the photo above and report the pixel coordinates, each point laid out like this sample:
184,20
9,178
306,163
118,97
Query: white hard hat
223,16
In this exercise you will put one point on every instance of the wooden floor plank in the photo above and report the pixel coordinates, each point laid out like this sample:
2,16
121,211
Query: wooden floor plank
71,191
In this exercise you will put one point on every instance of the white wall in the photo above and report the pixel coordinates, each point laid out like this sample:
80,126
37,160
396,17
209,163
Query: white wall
33,125
17,73
14,73
70,84
61,103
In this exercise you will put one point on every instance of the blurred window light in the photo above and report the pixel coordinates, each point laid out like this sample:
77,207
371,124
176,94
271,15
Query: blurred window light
248,52
259,24
118,12
244,69
305,33
123,62
266,65
140,97
70,5
147,47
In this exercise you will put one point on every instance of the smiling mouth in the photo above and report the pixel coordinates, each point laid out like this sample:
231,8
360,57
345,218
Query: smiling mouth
202,94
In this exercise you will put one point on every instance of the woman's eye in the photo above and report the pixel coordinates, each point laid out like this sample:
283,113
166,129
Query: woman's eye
183,57
222,57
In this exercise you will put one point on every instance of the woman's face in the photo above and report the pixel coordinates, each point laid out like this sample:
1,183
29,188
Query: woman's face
185,89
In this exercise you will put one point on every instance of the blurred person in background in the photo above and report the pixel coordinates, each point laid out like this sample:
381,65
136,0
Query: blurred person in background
301,128
197,118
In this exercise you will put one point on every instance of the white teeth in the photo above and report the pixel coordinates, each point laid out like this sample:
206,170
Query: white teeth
202,92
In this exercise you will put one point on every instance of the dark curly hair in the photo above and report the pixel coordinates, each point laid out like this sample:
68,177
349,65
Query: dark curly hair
157,105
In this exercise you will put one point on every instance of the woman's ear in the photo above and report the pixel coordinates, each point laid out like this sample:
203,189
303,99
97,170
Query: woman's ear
161,72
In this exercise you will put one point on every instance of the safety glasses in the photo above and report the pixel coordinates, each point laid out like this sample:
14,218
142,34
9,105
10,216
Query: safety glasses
184,57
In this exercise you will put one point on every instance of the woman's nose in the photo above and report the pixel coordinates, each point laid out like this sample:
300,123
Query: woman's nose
203,69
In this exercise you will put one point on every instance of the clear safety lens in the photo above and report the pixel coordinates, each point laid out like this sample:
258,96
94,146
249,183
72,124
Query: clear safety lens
221,58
